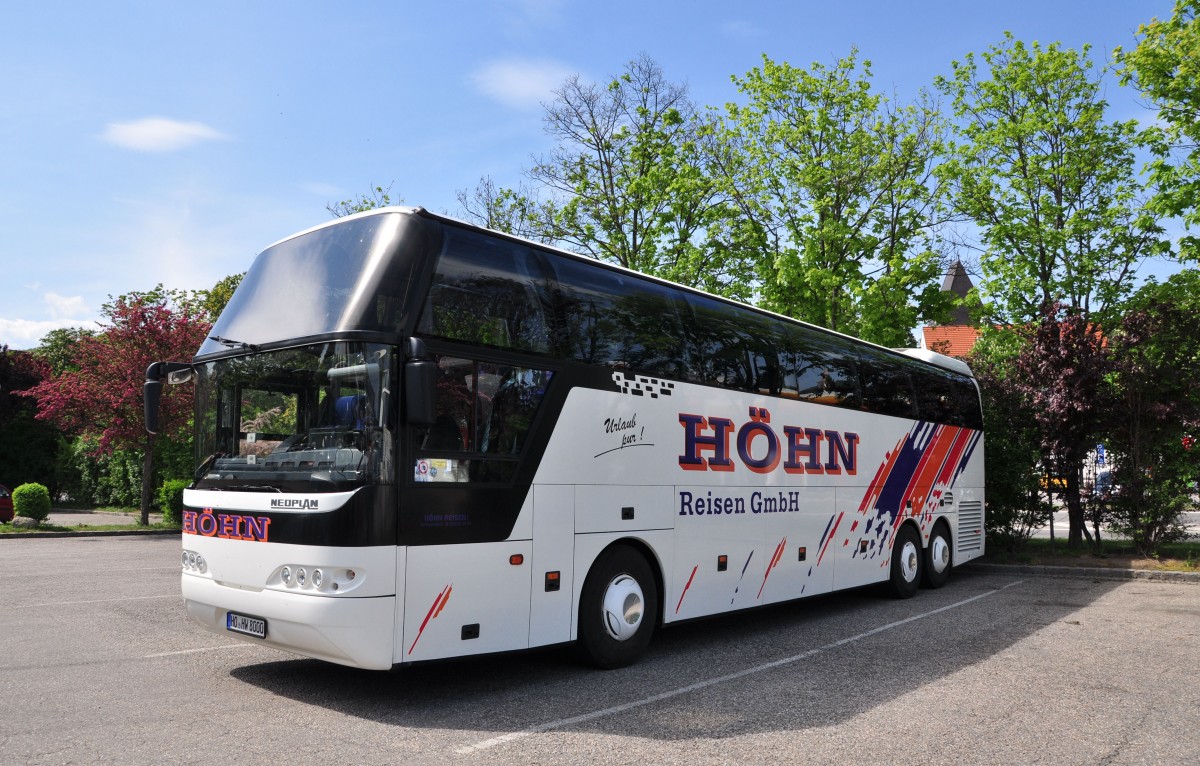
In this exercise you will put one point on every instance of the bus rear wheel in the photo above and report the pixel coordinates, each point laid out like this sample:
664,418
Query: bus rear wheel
937,557
617,609
907,563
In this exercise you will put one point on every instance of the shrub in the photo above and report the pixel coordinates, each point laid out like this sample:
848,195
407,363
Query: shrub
32,501
170,500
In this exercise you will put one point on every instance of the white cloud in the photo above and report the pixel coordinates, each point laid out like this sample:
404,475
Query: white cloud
24,334
64,307
520,83
64,311
159,134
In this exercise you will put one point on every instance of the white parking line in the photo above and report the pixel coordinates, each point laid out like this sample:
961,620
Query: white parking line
565,722
97,601
197,651
60,572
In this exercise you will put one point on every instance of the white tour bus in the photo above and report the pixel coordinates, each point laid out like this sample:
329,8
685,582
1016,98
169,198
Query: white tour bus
418,439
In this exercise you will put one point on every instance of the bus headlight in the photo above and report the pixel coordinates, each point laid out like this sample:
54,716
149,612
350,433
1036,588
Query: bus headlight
193,562
310,579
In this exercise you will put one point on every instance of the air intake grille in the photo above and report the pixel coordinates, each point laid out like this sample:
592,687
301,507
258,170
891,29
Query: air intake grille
970,526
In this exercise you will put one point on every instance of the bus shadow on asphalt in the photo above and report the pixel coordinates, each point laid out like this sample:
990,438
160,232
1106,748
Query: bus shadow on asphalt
810,663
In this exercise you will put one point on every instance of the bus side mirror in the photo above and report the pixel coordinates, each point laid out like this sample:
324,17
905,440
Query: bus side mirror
174,372
420,391
151,393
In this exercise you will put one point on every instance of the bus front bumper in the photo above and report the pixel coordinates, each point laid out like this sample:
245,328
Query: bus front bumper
348,631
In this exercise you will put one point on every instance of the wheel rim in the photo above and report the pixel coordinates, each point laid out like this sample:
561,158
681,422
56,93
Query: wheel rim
909,561
941,554
623,607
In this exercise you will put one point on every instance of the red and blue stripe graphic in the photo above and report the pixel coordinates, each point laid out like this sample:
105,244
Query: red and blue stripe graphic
910,482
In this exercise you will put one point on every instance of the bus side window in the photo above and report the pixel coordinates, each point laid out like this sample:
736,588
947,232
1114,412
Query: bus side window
453,406
482,410
618,320
729,350
488,292
945,397
890,392
816,371
512,408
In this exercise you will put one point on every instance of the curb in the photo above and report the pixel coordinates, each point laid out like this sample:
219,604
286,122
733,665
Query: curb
1156,575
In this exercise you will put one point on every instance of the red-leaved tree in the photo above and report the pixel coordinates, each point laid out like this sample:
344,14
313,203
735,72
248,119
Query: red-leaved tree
1061,376
102,397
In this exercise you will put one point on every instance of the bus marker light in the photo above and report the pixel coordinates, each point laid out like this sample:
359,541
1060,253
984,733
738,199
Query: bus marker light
803,553
722,563
517,559
553,581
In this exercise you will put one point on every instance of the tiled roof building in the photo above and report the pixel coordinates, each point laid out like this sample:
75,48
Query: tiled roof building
958,337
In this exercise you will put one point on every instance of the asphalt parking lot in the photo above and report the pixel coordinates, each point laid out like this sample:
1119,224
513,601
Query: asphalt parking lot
98,665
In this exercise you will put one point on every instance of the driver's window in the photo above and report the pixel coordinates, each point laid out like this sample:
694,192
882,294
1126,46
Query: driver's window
483,412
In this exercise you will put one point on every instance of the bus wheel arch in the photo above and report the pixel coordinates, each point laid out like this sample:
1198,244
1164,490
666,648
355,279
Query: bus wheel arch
939,556
619,605
908,562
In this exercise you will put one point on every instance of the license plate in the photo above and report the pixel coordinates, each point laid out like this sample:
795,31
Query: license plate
245,624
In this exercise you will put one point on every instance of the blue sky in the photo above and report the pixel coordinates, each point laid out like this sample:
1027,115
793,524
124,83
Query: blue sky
170,142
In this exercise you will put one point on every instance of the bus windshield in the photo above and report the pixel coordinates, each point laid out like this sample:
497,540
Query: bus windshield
313,418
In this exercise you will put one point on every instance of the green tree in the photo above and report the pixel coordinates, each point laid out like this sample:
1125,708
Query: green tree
512,211
57,348
1049,183
1015,505
838,183
1156,405
1165,67
217,297
376,197
28,447
627,180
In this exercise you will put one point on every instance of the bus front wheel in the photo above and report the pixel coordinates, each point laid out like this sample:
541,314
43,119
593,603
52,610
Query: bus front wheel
907,563
617,609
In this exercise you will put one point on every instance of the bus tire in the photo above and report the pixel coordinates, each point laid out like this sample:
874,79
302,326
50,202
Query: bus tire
907,563
938,557
617,609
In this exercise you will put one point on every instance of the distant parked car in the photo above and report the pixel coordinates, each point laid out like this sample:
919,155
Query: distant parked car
6,506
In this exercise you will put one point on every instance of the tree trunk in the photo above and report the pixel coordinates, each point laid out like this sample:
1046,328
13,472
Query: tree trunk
1075,515
147,479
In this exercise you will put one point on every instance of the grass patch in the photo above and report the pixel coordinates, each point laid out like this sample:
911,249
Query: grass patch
9,529
1116,554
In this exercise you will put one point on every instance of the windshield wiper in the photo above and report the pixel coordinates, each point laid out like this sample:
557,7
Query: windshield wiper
208,462
233,343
